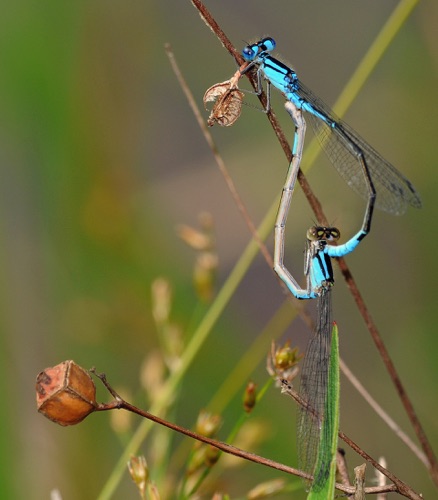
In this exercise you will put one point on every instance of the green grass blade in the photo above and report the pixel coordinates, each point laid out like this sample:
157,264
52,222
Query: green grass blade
330,427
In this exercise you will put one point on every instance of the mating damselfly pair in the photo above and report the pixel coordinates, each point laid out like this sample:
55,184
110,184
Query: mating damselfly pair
368,174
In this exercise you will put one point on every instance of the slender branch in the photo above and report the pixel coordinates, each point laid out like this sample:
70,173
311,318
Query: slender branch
341,467
316,207
119,403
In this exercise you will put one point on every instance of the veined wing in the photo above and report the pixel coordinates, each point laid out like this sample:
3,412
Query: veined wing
341,143
313,390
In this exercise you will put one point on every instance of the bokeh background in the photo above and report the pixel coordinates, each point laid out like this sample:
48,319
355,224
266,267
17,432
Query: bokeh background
101,159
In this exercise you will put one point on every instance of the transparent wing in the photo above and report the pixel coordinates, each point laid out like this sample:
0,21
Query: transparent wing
313,390
394,191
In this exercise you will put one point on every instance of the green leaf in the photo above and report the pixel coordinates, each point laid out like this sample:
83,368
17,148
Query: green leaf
330,427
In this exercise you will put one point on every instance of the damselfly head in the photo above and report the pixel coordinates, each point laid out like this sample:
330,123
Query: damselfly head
250,52
322,233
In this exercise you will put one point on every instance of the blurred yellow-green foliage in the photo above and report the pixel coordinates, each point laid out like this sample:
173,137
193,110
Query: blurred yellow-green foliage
101,160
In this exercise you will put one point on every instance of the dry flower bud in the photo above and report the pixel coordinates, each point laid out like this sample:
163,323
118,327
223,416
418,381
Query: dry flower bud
204,275
249,396
207,424
161,300
282,362
285,357
152,374
138,469
66,393
194,238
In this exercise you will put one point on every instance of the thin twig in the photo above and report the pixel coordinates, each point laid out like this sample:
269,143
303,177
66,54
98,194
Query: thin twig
351,284
341,467
119,403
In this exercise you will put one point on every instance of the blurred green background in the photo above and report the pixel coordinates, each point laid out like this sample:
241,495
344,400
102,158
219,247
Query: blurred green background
101,159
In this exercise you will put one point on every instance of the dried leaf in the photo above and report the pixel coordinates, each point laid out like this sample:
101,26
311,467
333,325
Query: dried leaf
227,100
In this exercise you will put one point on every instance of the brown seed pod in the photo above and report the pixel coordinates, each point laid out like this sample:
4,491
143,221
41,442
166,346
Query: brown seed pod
66,393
